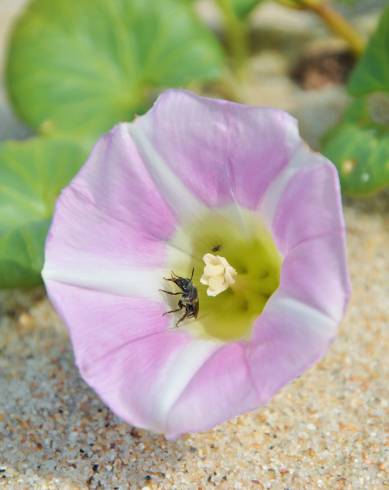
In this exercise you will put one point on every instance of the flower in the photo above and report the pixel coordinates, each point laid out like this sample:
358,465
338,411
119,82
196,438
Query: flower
195,176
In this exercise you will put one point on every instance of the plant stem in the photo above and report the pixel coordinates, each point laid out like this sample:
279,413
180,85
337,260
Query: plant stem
337,23
236,37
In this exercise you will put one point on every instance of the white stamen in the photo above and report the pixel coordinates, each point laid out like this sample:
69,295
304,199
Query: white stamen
218,274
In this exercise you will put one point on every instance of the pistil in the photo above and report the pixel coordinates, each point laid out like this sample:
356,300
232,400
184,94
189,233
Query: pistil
218,274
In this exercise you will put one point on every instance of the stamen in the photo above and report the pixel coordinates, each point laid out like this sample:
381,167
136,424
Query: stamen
218,274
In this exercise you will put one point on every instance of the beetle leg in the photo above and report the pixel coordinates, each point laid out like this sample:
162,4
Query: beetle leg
182,318
171,311
168,292
171,278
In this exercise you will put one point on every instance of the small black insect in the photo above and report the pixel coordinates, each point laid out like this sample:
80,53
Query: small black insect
189,300
216,248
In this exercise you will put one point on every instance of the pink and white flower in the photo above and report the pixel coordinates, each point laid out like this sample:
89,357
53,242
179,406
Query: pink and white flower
196,176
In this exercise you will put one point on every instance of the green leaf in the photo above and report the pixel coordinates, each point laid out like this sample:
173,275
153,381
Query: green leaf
372,71
81,66
359,147
243,8
32,173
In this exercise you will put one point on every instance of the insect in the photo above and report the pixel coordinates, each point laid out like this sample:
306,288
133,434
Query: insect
189,300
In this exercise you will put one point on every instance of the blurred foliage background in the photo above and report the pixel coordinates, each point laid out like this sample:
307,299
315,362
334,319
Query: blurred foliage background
74,68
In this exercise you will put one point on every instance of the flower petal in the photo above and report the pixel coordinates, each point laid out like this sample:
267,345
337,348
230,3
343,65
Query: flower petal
101,323
110,224
304,211
116,180
87,248
125,352
221,389
288,338
315,273
304,201
221,151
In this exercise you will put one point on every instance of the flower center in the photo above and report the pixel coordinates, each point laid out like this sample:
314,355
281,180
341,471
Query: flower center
242,270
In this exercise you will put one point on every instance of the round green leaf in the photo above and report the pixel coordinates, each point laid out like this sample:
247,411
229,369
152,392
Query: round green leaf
81,66
361,155
32,173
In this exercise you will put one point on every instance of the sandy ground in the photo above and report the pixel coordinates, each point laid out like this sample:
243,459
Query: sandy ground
325,430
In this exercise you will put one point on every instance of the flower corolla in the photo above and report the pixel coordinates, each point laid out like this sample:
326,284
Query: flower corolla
197,176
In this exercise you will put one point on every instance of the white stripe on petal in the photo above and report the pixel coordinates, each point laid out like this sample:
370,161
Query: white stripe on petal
310,317
183,202
177,374
303,157
94,273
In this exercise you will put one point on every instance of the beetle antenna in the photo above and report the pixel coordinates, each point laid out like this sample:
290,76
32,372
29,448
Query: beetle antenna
191,277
